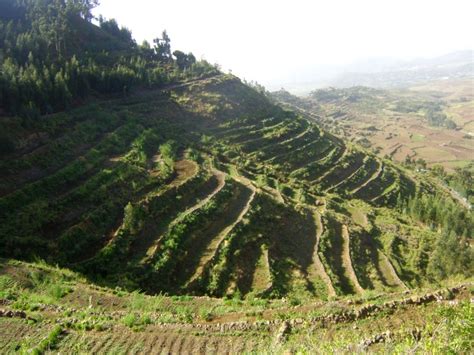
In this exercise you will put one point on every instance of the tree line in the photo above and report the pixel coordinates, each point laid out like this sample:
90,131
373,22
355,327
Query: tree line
452,252
52,56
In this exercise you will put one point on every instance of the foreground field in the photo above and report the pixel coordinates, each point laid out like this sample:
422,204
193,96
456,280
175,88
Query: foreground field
46,309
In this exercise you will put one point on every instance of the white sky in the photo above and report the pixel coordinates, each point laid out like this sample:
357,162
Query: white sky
269,41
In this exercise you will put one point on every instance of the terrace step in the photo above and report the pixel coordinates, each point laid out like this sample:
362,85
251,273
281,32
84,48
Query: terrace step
374,176
347,261
317,268
154,247
210,250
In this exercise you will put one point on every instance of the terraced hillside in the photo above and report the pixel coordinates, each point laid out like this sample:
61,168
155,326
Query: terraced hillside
207,187
150,203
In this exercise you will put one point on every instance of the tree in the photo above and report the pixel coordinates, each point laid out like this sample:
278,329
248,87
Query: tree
408,160
452,256
421,163
439,171
146,51
83,8
163,48
48,57
183,60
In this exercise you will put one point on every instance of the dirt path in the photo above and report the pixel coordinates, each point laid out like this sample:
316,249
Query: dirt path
317,267
214,245
347,262
375,175
221,182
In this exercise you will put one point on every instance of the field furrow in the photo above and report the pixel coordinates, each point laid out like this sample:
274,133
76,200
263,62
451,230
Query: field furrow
177,346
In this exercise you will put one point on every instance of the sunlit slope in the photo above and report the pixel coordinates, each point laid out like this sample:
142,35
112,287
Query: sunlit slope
206,187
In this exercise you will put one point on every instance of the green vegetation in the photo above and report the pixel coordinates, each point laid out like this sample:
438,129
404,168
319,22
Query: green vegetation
461,180
49,342
121,216
196,184
430,124
436,117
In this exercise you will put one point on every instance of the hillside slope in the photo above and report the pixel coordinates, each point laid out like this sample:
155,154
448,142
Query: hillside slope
206,187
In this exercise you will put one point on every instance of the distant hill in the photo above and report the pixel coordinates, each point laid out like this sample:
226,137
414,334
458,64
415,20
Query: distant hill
457,65
383,72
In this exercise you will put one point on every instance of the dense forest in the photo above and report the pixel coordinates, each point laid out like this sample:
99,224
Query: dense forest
52,56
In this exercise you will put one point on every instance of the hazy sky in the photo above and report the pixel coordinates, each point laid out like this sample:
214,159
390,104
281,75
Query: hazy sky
272,41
